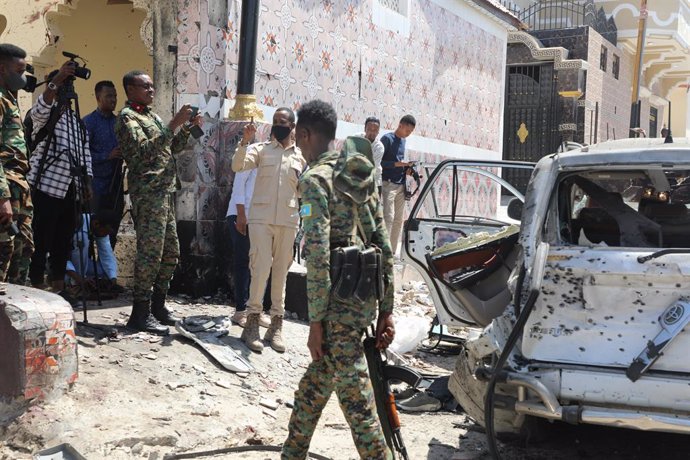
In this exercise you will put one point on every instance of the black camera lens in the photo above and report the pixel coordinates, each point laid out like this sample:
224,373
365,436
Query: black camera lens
31,83
12,229
82,72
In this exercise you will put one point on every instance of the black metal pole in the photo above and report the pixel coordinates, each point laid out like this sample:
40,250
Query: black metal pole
596,122
249,28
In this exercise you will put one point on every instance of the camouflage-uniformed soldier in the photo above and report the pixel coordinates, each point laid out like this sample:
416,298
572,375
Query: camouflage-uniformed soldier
330,211
148,146
15,196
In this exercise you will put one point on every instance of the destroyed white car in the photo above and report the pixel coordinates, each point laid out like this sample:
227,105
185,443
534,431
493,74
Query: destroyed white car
576,296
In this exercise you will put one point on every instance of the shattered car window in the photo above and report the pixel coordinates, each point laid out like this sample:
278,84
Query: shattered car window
636,208
457,193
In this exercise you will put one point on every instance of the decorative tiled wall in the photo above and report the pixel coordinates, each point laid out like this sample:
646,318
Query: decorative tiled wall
448,73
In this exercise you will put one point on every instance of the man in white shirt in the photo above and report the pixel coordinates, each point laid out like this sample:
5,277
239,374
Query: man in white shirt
372,126
238,212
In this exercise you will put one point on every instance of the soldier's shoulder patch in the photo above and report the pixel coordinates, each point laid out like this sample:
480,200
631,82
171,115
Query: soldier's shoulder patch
305,210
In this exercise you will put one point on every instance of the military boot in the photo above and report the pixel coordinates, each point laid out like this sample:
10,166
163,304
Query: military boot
250,335
142,320
274,334
160,311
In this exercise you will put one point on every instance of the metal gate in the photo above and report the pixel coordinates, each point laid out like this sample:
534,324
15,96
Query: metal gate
530,129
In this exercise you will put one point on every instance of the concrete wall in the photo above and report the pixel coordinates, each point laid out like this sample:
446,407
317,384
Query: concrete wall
680,124
613,95
107,36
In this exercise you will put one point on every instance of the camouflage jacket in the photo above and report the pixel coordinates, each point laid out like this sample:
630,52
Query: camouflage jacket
328,218
13,153
148,146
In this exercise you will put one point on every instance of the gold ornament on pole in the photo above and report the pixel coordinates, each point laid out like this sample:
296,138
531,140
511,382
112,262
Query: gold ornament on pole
246,109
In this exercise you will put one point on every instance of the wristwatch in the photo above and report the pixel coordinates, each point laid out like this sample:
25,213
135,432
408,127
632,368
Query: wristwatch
52,86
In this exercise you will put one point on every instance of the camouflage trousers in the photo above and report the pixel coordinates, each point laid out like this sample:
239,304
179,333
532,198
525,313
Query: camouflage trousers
16,251
157,246
343,369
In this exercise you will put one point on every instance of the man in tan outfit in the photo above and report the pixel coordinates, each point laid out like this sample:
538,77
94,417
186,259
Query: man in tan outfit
273,221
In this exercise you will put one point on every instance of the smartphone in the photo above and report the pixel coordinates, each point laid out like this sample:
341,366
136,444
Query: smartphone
195,131
195,111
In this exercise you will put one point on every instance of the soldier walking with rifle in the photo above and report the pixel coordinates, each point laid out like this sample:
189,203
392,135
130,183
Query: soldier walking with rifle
147,146
345,236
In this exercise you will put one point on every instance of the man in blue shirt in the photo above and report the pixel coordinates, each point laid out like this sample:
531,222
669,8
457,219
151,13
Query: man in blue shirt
394,170
105,154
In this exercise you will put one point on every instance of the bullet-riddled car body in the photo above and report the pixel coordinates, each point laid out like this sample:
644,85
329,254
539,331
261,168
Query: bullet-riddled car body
601,243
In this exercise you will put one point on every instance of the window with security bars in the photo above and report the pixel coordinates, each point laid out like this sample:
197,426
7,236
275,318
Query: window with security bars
616,66
395,5
392,15
602,58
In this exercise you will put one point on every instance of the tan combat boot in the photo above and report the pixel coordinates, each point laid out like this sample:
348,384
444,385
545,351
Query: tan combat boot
250,335
274,334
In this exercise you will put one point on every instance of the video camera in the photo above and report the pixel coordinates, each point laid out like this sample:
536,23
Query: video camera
80,71
411,170
31,81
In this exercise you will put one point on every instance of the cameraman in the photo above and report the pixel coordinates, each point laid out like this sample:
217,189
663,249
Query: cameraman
60,176
15,197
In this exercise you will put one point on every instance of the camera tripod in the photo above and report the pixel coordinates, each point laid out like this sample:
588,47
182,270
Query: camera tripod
74,150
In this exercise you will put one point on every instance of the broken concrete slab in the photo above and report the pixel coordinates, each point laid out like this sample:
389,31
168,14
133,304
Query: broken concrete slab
61,452
39,359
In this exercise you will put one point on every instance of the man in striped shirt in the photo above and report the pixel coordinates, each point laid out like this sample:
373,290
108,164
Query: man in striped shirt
59,177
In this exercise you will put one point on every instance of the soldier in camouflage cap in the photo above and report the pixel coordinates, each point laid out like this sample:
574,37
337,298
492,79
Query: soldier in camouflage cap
336,193
148,146
15,196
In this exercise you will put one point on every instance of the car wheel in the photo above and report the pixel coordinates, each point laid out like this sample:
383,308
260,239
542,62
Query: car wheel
470,393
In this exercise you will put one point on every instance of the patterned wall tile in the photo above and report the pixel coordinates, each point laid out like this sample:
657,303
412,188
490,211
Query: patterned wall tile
310,49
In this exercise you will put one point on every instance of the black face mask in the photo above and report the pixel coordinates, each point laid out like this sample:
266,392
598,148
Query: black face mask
15,81
280,132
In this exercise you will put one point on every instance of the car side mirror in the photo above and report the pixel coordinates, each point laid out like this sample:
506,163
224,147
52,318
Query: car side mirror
515,209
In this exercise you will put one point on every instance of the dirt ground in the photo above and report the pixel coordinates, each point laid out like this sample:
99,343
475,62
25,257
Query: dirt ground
144,397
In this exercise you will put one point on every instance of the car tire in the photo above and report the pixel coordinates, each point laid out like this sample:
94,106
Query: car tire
470,393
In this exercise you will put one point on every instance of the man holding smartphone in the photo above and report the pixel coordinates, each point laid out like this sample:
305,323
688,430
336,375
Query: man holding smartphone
148,146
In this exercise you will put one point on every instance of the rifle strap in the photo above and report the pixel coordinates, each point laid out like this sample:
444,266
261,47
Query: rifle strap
358,227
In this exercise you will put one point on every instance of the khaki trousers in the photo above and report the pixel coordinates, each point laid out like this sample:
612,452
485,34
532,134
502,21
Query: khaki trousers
270,253
393,211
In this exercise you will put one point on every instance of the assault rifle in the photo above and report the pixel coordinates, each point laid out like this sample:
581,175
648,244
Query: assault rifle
381,373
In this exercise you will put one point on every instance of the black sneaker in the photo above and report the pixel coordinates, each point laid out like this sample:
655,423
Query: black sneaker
421,402
75,303
116,288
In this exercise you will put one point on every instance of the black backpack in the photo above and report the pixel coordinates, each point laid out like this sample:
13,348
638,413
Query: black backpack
31,144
